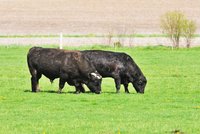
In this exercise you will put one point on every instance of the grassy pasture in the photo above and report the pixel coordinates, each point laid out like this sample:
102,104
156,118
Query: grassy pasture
171,101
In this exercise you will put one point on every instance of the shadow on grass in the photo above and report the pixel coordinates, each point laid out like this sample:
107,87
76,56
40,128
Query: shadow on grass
56,92
110,92
73,92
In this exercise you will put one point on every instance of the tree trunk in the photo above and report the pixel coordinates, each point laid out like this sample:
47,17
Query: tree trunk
177,42
188,43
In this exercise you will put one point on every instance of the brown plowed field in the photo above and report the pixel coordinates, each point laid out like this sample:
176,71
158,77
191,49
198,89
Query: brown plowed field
89,16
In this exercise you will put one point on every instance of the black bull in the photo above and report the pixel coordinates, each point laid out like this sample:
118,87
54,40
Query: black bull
70,66
120,66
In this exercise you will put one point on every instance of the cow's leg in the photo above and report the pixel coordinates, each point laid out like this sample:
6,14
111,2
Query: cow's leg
34,83
61,85
37,84
126,88
79,88
34,79
92,90
82,88
117,84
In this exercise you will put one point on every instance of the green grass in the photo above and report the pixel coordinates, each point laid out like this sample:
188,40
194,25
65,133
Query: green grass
171,101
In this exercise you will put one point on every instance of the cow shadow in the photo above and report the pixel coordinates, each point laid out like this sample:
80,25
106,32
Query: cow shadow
45,91
73,92
56,92
110,92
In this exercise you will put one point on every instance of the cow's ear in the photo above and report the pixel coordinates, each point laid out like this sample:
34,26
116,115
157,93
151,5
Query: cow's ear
95,75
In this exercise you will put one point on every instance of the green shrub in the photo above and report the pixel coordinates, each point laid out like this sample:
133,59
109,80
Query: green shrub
175,24
118,44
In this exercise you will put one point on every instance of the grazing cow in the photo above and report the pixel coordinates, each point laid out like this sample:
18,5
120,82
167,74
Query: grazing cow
119,66
70,66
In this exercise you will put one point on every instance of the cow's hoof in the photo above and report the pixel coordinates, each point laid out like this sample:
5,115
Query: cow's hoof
126,92
77,92
82,91
35,91
97,92
117,91
59,92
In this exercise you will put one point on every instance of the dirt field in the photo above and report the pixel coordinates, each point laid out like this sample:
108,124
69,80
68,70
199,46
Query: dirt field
89,16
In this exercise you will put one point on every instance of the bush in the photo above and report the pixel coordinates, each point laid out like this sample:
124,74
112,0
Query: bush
117,44
189,28
175,24
172,23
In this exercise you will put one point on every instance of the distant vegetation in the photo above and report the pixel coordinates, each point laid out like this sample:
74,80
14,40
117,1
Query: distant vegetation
89,36
175,24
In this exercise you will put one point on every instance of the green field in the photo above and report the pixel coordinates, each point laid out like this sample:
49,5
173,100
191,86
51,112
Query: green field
171,102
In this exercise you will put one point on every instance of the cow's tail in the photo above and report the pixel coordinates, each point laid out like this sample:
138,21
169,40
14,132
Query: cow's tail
30,53
33,49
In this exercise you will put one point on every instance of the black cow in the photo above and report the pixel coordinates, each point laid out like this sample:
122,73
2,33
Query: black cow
70,66
119,66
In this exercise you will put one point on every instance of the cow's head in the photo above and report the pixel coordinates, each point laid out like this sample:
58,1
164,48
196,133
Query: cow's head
139,83
94,82
136,77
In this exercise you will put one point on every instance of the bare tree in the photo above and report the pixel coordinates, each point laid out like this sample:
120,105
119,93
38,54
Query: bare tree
172,23
110,36
131,37
189,28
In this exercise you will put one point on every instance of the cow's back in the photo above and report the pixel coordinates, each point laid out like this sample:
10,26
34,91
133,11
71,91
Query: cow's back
55,62
108,55
107,62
